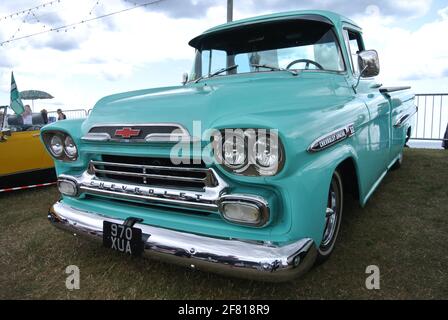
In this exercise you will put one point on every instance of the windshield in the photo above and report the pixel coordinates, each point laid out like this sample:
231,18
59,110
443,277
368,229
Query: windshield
274,46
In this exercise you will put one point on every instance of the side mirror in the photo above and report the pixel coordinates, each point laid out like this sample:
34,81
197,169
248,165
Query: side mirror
184,78
369,63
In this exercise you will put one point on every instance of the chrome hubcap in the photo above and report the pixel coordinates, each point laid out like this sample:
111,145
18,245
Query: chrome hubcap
330,218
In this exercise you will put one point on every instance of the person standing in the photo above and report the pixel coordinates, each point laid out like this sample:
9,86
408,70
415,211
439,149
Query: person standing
27,116
44,115
61,115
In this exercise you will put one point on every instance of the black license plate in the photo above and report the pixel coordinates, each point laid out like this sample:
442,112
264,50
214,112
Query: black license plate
122,238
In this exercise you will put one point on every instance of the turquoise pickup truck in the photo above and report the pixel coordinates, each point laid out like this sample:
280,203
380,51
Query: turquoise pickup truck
243,169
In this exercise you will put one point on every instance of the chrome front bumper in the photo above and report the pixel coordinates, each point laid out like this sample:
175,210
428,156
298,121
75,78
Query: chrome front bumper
250,260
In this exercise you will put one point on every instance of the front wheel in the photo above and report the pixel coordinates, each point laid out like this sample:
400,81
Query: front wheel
333,217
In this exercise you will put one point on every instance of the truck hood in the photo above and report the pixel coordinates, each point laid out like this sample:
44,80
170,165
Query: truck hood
271,100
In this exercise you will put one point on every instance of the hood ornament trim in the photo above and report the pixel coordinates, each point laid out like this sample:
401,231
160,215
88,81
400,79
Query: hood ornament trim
154,133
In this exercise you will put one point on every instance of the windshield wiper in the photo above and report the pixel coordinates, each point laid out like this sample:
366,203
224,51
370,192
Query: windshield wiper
272,68
217,72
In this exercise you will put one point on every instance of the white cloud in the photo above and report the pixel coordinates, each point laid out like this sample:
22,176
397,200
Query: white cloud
396,8
104,50
404,54
110,53
411,7
443,13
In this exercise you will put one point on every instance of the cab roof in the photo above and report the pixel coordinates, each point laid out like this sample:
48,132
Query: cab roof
329,17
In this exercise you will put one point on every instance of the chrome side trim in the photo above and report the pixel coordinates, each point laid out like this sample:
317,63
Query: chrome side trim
257,260
332,138
374,187
399,123
97,137
394,89
166,137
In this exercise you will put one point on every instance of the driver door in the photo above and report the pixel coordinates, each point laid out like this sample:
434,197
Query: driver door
377,148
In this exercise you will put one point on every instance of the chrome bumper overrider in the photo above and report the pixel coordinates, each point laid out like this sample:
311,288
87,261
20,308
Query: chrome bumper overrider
251,260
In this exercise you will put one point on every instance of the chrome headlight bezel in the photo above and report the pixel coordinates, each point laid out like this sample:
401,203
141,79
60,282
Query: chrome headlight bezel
267,151
236,144
67,156
252,138
56,146
70,148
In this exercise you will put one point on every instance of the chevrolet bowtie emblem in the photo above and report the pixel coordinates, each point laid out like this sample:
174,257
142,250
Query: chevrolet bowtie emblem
127,133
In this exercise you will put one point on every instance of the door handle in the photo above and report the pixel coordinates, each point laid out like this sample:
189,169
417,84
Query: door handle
36,135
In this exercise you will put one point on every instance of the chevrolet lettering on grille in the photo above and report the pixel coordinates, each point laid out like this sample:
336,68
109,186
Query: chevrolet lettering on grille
145,191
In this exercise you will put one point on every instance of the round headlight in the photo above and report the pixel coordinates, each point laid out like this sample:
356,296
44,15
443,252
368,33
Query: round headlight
266,151
56,146
249,152
70,147
234,151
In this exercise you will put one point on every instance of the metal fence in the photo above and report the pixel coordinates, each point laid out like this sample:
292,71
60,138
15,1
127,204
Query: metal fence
71,114
432,116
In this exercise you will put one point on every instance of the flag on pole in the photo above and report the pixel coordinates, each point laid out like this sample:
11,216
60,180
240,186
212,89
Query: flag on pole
16,103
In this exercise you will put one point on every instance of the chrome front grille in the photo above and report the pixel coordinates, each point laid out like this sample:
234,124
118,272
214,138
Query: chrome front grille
153,181
159,172
157,182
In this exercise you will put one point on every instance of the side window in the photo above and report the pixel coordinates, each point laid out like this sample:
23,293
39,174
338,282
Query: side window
355,45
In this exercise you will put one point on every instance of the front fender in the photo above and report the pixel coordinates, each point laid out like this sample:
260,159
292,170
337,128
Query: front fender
305,190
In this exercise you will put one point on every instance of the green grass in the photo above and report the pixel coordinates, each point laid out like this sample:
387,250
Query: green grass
403,230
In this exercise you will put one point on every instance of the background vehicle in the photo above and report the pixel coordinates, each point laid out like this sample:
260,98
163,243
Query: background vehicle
23,158
303,76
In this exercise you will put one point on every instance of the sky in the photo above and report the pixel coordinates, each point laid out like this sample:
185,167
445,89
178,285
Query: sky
148,47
